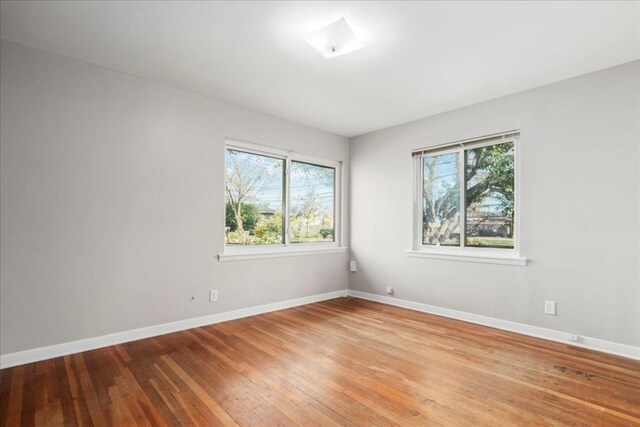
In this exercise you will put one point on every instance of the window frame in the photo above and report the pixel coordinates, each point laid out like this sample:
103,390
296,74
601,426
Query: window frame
237,252
510,256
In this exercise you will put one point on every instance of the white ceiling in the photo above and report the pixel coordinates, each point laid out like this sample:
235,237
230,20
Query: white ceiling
421,58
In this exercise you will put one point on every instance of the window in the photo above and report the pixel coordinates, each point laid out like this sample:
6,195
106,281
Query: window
466,198
312,208
279,200
489,182
255,196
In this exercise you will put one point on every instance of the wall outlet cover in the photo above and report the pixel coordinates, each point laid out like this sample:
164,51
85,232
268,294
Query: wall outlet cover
213,295
550,308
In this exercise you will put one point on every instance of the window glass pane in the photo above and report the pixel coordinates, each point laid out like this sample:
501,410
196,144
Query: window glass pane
312,203
441,200
489,196
254,189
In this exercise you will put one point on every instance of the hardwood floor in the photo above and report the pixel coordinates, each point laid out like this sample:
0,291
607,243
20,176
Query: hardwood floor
339,362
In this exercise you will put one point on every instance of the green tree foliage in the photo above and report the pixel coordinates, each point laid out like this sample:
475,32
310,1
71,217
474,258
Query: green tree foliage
268,231
490,172
274,224
249,214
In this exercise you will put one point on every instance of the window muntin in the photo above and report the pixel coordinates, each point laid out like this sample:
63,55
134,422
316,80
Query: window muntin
487,196
312,207
284,198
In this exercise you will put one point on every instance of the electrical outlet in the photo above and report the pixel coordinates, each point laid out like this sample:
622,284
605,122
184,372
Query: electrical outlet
352,266
389,290
550,307
213,295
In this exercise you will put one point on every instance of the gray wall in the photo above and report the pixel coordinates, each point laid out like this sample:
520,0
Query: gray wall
580,196
112,203
111,193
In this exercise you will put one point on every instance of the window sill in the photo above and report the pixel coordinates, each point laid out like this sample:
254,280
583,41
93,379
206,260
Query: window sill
242,255
470,257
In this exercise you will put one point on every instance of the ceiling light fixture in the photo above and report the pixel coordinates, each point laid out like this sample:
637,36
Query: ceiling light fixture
334,40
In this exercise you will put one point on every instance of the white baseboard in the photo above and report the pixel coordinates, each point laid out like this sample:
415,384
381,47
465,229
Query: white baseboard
49,352
610,347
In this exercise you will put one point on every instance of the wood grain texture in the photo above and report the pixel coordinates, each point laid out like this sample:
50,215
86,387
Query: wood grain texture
341,362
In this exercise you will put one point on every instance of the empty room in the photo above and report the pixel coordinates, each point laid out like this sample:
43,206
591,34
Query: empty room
324,213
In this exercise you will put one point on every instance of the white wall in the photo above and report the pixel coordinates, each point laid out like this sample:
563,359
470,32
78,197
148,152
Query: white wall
580,153
112,203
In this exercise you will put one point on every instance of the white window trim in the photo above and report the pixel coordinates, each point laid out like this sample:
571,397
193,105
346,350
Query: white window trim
462,253
279,252
243,252
468,256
